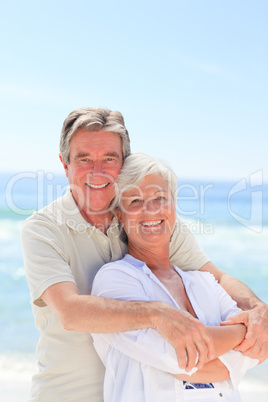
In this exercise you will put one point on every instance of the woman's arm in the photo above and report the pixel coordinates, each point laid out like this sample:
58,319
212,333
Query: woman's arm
185,253
254,316
226,338
215,370
128,284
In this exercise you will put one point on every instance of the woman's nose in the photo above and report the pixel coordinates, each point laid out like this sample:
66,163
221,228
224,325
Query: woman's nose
150,207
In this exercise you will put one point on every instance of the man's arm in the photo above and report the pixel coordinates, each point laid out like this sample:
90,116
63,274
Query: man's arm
254,316
100,315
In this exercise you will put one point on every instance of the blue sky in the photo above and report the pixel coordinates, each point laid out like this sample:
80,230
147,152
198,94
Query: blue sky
189,76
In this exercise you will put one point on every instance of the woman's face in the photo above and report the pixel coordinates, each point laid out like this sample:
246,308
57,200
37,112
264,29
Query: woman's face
148,212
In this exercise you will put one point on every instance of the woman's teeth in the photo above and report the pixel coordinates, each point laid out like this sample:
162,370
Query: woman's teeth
151,223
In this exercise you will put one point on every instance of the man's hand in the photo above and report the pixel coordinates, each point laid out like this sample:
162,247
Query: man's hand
255,344
193,343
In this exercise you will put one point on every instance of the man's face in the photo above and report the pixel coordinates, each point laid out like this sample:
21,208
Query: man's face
95,162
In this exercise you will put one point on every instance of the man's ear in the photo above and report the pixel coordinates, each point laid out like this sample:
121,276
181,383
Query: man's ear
65,167
118,214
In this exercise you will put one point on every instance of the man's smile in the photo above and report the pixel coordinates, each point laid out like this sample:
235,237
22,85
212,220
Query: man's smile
99,186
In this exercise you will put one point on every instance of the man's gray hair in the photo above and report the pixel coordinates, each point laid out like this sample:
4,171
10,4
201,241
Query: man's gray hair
93,119
135,168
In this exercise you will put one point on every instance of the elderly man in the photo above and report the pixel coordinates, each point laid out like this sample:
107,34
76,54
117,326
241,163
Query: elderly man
67,242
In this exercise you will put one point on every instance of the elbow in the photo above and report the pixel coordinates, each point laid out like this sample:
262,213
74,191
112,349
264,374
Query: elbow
69,323
69,320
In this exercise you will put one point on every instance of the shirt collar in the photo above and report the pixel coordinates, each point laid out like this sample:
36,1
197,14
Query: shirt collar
134,261
73,217
186,279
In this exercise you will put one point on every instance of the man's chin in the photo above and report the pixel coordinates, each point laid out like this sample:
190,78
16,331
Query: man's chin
98,210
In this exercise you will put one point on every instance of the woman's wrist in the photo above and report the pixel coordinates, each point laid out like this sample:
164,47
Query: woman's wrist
227,337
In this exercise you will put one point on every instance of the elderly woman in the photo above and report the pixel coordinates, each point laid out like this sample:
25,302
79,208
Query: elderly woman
142,366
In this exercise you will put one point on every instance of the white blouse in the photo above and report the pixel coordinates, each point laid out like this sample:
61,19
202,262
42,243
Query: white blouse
138,363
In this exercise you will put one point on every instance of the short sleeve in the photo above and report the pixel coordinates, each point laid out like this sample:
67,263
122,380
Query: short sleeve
185,252
45,256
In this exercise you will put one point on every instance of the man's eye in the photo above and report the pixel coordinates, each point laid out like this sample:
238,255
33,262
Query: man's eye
161,198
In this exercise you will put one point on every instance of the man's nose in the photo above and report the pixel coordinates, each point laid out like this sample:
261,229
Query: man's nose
97,168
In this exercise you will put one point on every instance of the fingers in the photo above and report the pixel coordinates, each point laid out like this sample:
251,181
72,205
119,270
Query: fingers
240,318
253,348
244,346
182,356
252,352
193,343
195,348
208,339
253,345
187,356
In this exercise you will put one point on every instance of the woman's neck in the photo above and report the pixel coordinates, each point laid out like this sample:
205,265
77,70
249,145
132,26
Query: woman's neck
154,257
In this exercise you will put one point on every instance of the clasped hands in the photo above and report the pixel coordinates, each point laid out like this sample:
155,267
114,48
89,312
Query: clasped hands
194,344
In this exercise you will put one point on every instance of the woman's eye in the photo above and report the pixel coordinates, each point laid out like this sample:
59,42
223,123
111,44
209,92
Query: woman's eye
135,201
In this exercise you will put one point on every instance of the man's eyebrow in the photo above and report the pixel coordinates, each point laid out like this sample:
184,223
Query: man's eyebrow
81,155
86,154
114,154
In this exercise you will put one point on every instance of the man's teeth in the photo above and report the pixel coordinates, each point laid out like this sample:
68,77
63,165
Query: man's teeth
151,223
100,186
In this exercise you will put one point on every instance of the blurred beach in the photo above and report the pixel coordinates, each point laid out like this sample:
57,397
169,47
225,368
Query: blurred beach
229,219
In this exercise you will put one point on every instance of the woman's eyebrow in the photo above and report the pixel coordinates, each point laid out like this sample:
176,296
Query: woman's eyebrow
161,191
132,195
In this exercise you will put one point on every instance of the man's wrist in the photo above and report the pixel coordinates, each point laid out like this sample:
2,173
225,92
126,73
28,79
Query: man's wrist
255,303
148,314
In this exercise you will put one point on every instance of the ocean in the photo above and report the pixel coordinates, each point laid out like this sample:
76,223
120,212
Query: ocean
229,219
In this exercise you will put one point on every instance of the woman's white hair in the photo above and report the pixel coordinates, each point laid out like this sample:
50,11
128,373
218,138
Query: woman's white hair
135,168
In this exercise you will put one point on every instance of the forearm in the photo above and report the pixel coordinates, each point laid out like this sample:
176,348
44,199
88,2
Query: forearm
226,338
99,315
96,314
86,313
241,293
215,370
